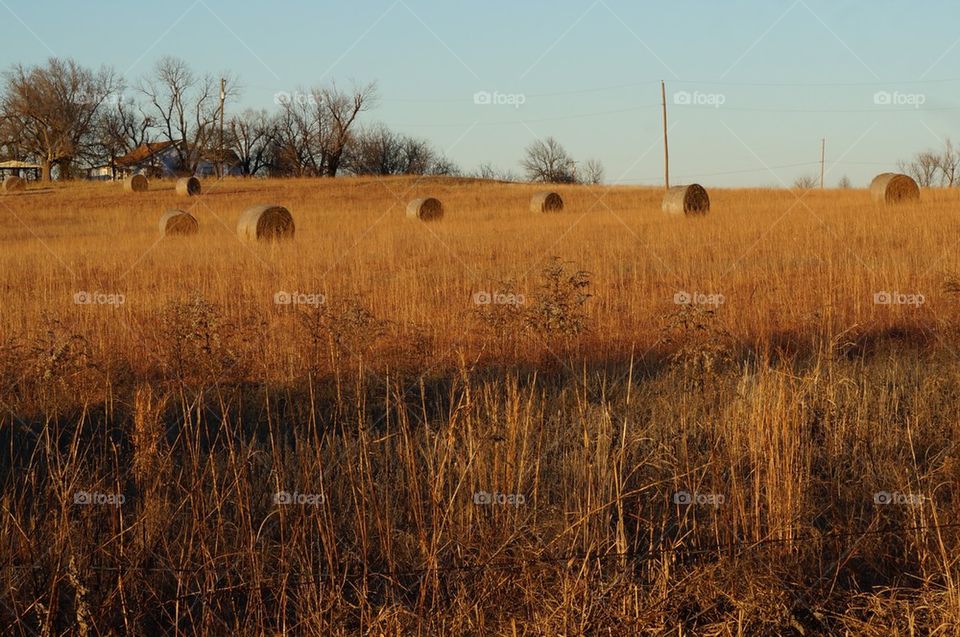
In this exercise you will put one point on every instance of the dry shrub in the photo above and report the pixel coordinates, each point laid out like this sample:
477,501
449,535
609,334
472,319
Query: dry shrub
559,304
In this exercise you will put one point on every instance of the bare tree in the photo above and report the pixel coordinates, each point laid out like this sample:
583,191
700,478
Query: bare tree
923,168
547,161
489,171
844,183
806,182
593,172
186,108
342,109
250,135
53,108
381,151
949,164
121,127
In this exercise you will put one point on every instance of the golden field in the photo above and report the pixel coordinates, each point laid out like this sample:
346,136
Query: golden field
585,388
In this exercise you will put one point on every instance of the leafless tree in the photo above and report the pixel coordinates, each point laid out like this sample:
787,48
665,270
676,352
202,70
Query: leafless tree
250,135
806,182
53,108
949,164
844,183
342,110
381,151
489,171
314,128
121,126
186,108
923,168
547,161
593,172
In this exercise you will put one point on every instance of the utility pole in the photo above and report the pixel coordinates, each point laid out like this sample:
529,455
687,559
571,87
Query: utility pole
223,98
823,152
666,148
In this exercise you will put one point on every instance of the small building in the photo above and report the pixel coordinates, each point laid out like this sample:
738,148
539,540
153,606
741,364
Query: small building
17,168
157,159
162,159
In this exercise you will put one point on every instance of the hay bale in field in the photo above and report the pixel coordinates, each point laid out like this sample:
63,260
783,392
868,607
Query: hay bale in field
178,222
426,209
687,200
546,202
265,222
188,187
894,188
13,184
136,183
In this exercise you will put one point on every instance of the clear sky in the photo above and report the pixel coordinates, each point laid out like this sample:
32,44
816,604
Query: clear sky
765,79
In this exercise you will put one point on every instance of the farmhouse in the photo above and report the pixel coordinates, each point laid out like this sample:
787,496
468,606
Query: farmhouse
162,159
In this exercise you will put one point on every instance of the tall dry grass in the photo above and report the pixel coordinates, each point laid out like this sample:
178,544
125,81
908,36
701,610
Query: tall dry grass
392,403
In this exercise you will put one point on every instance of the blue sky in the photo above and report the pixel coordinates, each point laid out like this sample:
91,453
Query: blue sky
765,79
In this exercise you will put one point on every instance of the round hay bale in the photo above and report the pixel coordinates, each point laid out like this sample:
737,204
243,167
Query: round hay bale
265,222
894,188
687,200
136,183
13,184
546,202
178,222
426,209
188,187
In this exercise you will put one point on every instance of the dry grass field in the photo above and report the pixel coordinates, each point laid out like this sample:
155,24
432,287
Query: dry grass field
777,456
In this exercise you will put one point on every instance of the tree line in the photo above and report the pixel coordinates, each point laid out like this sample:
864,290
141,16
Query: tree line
68,118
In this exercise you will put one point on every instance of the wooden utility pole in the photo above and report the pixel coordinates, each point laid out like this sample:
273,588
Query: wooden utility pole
823,153
223,98
666,147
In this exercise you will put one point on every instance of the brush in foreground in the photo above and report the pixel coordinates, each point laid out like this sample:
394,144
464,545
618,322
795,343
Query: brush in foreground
265,222
13,184
188,187
546,202
136,183
178,222
894,188
426,209
687,200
